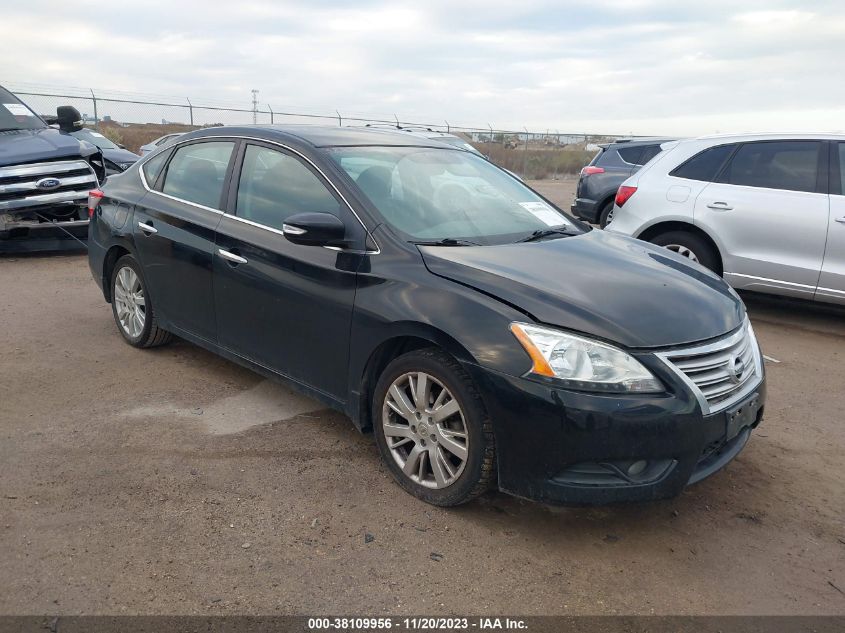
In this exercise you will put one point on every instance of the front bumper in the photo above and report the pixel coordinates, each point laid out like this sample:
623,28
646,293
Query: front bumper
565,447
42,233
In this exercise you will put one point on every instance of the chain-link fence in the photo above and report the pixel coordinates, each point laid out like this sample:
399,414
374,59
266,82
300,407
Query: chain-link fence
133,120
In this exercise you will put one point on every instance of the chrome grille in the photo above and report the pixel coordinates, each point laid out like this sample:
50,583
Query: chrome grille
720,373
19,188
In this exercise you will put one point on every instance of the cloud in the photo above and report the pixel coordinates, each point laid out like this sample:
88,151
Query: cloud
648,67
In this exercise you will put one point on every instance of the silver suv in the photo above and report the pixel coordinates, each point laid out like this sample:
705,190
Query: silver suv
766,212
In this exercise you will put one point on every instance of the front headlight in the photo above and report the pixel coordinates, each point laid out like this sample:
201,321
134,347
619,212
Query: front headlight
583,363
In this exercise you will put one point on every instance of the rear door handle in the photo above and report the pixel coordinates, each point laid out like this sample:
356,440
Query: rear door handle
235,259
841,220
147,228
719,206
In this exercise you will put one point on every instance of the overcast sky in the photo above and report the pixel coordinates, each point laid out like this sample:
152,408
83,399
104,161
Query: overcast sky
615,66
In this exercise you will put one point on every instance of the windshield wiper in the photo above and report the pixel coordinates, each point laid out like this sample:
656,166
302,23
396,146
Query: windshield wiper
539,234
446,241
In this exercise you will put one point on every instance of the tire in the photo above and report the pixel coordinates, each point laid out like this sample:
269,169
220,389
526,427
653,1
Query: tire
692,246
445,481
139,332
605,213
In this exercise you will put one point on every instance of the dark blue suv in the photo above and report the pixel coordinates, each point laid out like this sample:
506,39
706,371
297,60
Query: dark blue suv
609,169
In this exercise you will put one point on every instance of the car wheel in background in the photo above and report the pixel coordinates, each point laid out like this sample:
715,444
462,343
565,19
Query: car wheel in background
432,430
131,306
691,246
606,214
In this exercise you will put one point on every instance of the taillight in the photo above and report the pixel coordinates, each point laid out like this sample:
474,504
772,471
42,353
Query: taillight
623,194
94,198
589,170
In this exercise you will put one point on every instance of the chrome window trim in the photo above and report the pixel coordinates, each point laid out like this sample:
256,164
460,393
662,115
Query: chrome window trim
175,145
721,344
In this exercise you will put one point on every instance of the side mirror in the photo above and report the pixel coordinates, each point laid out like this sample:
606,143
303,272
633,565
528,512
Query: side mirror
68,118
314,229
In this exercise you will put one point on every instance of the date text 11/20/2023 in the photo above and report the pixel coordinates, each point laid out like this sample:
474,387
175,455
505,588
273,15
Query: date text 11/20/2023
416,624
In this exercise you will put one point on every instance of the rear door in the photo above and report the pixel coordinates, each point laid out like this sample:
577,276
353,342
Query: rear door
281,305
768,209
832,279
174,228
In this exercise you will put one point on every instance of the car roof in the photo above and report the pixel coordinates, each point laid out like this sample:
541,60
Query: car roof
772,137
323,135
636,142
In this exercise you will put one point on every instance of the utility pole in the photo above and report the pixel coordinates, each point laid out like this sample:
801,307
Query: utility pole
254,105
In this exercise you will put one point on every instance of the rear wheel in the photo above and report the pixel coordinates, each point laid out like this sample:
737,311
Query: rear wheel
432,429
691,246
131,306
606,214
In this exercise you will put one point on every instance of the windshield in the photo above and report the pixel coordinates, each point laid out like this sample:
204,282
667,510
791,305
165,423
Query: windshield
96,138
430,194
457,142
14,115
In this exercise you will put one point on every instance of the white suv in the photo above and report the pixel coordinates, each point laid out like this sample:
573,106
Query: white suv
765,211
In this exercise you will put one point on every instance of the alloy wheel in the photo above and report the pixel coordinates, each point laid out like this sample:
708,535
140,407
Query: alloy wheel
682,251
129,302
425,430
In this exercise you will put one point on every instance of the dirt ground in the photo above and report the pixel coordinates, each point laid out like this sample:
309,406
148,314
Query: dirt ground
172,481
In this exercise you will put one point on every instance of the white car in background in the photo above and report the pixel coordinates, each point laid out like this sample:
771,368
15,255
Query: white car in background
162,140
766,212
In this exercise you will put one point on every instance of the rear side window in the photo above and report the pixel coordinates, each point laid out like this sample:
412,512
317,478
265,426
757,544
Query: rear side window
790,165
196,172
631,154
152,168
704,165
649,152
841,189
274,186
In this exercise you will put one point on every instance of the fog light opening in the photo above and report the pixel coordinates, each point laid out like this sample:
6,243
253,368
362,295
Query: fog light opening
637,468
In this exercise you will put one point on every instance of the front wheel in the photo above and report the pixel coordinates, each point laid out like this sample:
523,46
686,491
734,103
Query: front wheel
432,429
131,306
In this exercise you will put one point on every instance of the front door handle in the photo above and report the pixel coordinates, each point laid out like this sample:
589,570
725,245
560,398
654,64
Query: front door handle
719,206
235,259
147,228
841,220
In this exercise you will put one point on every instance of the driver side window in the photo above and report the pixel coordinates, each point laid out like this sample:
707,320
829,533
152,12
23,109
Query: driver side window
274,186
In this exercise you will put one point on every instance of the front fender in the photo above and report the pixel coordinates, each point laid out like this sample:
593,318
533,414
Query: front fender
401,301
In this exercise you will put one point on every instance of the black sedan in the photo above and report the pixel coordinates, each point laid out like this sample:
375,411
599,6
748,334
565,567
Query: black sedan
117,157
485,337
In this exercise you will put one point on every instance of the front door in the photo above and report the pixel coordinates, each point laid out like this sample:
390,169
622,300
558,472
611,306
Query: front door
284,306
174,228
832,279
769,209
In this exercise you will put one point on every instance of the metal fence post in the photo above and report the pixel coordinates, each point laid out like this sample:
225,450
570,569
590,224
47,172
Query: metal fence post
191,110
448,129
339,119
525,155
269,107
96,117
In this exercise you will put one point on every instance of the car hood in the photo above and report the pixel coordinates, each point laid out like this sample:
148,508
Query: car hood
119,155
609,286
30,146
